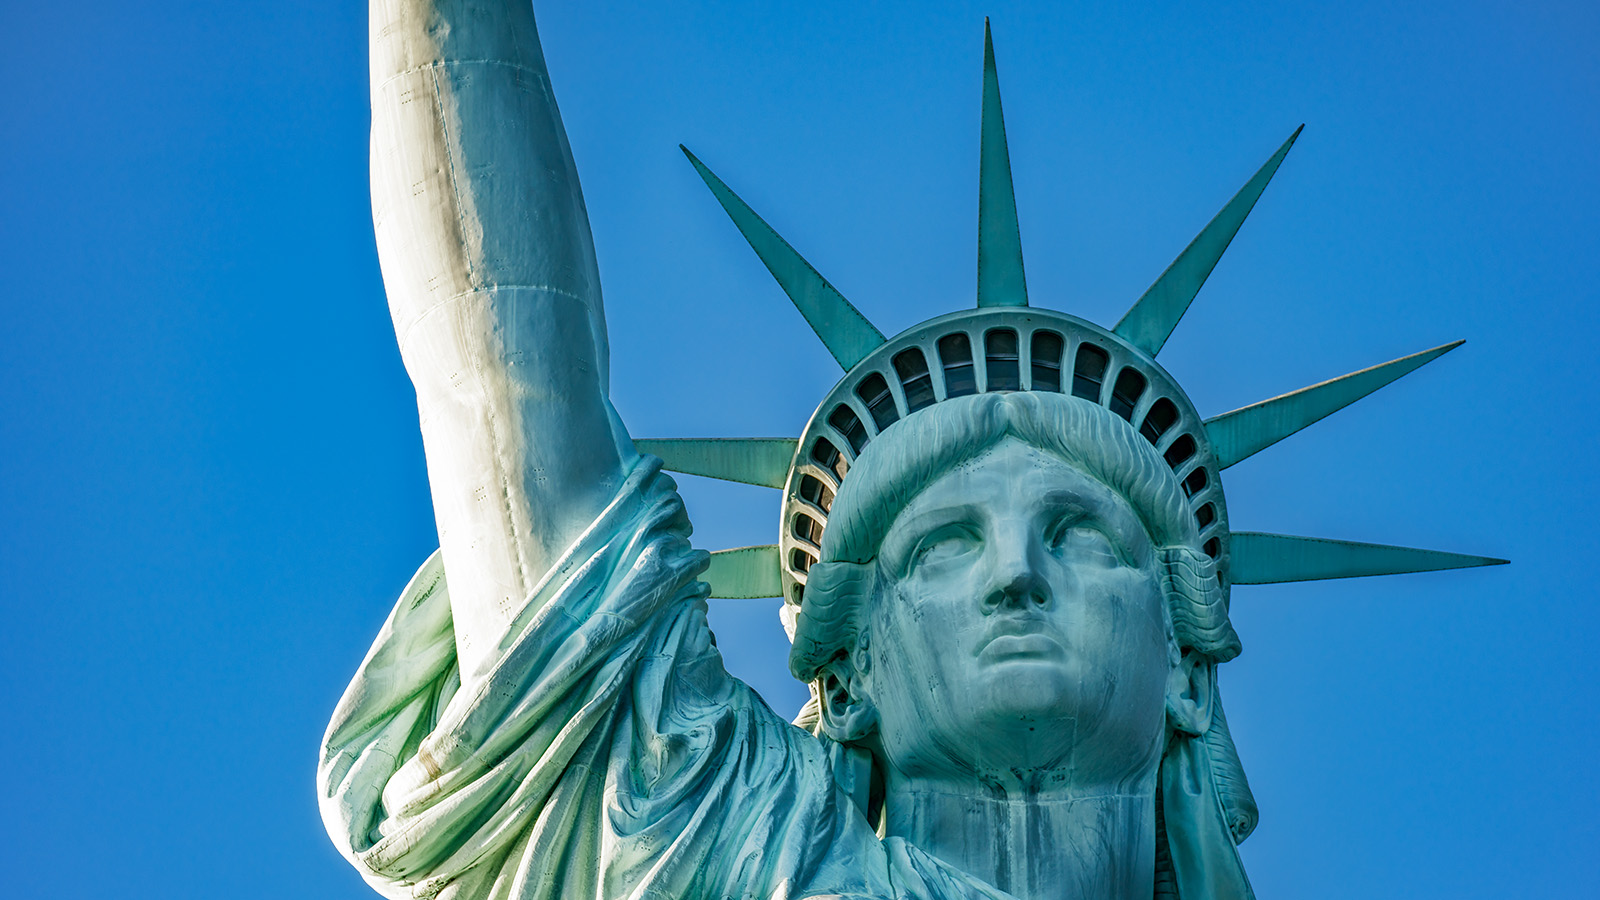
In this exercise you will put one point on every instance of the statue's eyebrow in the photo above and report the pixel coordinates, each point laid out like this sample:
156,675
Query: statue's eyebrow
1120,522
899,542
1065,498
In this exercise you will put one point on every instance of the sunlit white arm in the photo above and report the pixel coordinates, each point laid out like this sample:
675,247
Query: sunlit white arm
490,271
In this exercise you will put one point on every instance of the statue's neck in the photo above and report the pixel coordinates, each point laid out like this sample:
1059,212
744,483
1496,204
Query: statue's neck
1034,844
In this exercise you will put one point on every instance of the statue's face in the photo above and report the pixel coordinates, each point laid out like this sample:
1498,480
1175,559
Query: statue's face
1020,627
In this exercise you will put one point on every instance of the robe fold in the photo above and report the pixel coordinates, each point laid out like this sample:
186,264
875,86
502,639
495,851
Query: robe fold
603,752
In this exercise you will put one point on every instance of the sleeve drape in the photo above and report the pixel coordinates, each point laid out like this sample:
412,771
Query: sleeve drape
608,754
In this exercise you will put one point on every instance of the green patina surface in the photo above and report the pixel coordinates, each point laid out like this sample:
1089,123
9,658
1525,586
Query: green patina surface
1004,553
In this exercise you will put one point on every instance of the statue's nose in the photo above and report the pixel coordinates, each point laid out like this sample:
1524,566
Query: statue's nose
1017,579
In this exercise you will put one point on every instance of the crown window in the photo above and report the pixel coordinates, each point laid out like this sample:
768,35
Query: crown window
1126,392
1162,415
1205,515
956,353
1047,346
874,392
912,367
800,561
1195,483
1180,451
1089,372
807,529
816,493
826,455
847,423
1000,348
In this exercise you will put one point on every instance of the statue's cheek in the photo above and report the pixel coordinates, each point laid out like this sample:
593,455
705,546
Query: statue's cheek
923,602
1137,594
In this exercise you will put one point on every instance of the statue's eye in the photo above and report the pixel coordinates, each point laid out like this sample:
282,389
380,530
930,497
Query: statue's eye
1083,543
947,544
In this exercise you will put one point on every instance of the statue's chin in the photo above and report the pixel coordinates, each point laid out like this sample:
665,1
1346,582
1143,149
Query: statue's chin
1022,703
1028,678
1046,711
1018,711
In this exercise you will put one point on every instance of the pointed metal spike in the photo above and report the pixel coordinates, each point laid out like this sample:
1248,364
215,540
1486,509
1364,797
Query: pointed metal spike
758,461
1257,558
745,573
1244,432
1149,322
1001,281
843,329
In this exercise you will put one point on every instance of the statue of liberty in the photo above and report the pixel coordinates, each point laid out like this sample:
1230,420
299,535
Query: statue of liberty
1004,555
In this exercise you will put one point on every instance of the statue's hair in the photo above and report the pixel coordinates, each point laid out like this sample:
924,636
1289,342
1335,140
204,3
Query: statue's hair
905,459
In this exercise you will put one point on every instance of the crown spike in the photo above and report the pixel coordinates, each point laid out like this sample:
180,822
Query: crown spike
1240,434
843,329
1001,281
1257,558
744,573
758,461
1149,322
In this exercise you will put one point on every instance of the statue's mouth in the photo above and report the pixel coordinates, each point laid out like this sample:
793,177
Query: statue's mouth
1022,640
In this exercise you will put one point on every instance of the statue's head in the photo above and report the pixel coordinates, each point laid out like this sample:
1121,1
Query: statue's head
1011,583
1005,562
1012,590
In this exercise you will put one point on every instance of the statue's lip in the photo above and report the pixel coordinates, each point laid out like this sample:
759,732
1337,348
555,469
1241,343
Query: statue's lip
1019,640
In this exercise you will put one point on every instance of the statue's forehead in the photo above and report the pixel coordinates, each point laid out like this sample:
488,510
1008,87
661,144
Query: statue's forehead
1011,471
1012,477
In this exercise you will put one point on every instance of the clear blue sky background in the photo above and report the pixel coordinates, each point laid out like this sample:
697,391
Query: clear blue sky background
212,482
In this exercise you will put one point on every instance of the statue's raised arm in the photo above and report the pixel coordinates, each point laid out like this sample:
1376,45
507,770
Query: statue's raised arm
490,271
544,713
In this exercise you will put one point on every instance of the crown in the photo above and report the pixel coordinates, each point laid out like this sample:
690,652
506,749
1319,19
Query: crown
1004,344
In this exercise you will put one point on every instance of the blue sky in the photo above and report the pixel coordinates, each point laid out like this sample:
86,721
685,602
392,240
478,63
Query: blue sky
212,480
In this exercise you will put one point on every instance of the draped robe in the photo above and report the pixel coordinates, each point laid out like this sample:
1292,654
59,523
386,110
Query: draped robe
603,753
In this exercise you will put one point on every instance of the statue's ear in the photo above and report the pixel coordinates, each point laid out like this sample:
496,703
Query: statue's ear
1191,686
848,715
